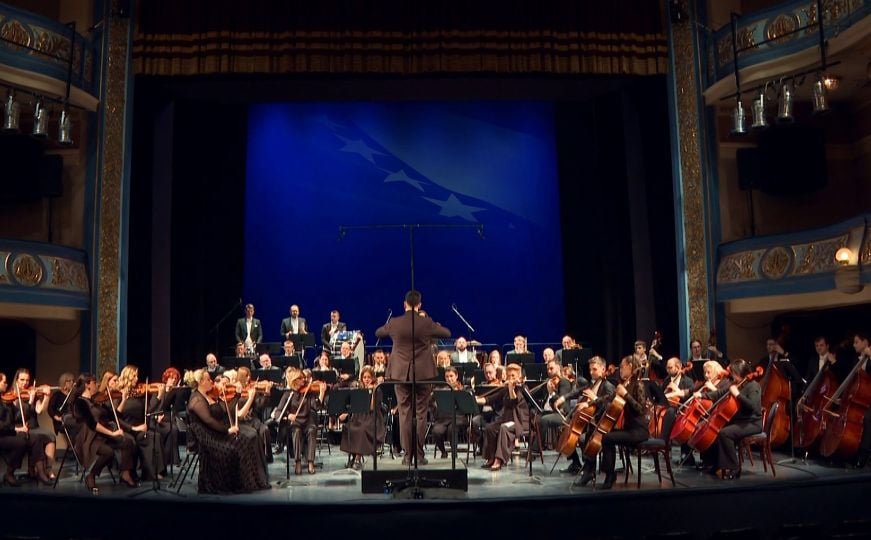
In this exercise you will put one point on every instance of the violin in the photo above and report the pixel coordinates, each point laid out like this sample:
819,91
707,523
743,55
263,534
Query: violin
142,388
314,386
103,397
41,391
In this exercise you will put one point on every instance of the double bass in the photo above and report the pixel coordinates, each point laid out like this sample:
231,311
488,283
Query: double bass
844,427
809,410
720,414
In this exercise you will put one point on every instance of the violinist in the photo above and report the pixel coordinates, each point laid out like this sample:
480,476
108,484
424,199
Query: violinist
557,387
635,424
171,404
487,414
229,463
495,358
442,423
379,363
41,442
13,446
499,435
57,403
722,456
443,360
359,436
596,394
298,407
98,435
135,416
258,408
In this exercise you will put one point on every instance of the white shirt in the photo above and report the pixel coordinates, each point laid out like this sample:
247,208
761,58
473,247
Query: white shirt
248,341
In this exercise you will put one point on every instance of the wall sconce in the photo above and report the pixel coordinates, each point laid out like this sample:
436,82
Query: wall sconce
11,112
784,104
847,272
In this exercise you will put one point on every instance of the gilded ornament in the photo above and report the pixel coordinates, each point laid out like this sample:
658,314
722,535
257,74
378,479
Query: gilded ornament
782,28
13,32
27,270
737,267
817,257
775,262
745,39
865,256
69,274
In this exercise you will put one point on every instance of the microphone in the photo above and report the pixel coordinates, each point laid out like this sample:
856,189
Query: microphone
454,307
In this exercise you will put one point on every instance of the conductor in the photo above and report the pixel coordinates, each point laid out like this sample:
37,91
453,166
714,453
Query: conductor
412,331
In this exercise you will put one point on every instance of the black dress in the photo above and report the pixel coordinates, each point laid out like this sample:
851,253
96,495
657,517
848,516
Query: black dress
12,447
363,433
228,463
149,452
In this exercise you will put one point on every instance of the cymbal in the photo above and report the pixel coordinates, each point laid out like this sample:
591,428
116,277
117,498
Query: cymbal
475,343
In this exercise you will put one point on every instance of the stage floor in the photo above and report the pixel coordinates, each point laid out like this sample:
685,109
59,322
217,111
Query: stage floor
805,500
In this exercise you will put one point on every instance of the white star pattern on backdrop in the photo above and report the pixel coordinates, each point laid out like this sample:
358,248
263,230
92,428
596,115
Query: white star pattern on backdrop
452,207
400,176
358,146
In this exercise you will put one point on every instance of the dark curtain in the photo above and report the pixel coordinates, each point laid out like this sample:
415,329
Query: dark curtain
199,37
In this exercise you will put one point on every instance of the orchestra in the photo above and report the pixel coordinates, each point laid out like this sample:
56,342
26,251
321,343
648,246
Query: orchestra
236,416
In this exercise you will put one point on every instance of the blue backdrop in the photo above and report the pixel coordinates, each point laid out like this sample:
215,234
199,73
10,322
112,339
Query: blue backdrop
314,167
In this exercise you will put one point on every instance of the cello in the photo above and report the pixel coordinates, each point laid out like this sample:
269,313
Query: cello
612,417
844,428
809,409
574,430
720,414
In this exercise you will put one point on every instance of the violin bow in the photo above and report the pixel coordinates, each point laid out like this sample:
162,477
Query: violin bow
21,410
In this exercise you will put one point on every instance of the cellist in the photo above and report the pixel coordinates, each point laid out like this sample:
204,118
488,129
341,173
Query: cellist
723,455
596,393
635,425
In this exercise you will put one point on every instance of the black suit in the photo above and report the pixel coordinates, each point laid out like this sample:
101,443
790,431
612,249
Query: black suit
408,345
242,330
552,420
606,389
325,332
287,327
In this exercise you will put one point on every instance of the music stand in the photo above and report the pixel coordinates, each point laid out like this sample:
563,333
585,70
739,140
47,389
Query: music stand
449,403
155,448
274,375
328,376
346,366
535,411
235,362
465,370
535,372
520,358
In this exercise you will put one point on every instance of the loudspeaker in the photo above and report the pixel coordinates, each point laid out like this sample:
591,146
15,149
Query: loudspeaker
384,480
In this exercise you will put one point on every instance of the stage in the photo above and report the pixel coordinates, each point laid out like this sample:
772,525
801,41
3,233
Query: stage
815,497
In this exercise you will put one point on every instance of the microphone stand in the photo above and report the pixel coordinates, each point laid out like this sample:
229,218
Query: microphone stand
389,316
221,320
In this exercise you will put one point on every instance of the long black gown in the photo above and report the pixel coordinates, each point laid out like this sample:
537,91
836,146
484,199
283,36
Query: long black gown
364,433
228,463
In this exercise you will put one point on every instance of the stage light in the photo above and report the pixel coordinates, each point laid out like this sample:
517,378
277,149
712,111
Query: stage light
11,112
832,82
842,256
64,128
759,121
784,105
40,120
847,273
820,96
739,120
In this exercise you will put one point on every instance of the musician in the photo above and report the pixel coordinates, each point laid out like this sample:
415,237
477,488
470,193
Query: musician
479,421
359,437
57,403
97,436
568,343
519,346
172,403
554,416
248,329
443,359
547,355
747,421
134,415
596,394
212,366
651,361
499,436
495,358
462,355
12,446
41,442
331,329
258,408
677,386
411,335
299,408
229,462
266,363
823,355
379,363
442,423
862,348
635,424
241,351
294,324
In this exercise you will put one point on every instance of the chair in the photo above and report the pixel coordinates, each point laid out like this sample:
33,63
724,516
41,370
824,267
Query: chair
762,440
653,447
191,461
69,447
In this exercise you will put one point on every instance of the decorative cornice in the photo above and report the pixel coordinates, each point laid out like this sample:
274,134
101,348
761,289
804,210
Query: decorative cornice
43,273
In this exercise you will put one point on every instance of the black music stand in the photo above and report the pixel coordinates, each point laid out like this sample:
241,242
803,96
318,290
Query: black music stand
274,375
535,412
448,404
465,370
235,362
535,372
328,377
520,358
347,366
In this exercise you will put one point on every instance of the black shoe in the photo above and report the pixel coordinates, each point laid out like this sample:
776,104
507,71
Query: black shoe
444,454
571,469
609,481
9,480
586,478
862,460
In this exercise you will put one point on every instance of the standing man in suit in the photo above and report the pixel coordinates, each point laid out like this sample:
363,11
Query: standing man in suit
293,324
411,334
248,329
329,330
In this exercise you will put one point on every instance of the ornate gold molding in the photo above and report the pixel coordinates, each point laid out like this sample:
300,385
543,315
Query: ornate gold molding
688,124
780,261
111,194
26,267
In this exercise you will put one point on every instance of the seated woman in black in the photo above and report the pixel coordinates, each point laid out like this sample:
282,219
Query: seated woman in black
359,436
229,463
97,437
299,408
12,446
